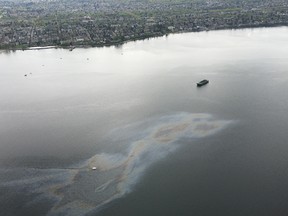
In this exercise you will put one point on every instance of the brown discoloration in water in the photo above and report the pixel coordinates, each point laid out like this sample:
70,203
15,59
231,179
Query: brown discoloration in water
169,133
204,127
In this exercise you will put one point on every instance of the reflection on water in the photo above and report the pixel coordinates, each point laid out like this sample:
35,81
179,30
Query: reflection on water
82,189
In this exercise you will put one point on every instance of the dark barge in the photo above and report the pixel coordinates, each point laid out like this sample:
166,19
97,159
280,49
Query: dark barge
203,82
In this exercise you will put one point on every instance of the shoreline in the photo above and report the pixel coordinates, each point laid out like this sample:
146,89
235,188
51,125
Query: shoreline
119,43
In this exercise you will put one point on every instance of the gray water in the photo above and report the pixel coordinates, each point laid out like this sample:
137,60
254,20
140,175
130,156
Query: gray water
161,145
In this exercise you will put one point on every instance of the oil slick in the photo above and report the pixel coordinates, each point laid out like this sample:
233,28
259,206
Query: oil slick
87,189
117,173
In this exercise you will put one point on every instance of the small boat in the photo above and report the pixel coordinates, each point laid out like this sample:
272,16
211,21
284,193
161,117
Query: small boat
203,82
94,168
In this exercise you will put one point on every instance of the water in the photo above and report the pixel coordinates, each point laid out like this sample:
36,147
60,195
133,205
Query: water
161,145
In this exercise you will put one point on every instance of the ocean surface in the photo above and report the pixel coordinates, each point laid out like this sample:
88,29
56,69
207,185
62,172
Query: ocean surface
160,145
